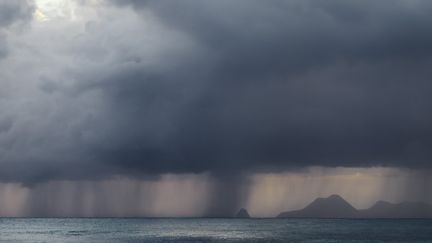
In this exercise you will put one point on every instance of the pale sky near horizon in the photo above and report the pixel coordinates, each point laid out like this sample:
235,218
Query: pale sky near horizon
267,195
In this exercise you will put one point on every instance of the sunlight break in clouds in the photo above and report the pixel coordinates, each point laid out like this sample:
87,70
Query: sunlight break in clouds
48,10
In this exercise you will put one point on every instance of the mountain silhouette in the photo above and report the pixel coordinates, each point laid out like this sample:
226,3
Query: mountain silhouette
333,206
242,213
336,207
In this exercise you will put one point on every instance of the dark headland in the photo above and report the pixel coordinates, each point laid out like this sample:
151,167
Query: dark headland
335,206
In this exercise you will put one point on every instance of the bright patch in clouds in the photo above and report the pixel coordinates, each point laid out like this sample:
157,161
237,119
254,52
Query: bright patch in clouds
59,9
49,10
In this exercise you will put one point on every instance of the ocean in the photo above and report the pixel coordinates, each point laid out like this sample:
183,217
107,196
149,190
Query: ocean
213,230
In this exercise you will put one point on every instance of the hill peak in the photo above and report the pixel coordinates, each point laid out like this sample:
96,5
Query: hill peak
242,213
333,206
331,203
335,197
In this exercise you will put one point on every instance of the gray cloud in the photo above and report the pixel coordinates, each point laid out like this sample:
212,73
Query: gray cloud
13,13
293,83
223,86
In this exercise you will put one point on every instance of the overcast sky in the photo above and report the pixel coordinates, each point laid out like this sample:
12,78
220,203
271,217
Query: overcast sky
93,89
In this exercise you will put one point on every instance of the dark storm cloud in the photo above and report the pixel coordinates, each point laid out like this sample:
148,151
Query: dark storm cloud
290,83
250,85
13,12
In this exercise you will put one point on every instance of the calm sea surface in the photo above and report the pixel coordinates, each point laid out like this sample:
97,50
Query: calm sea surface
213,230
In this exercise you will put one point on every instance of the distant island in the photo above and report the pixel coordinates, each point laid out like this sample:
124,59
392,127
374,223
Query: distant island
335,206
242,213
